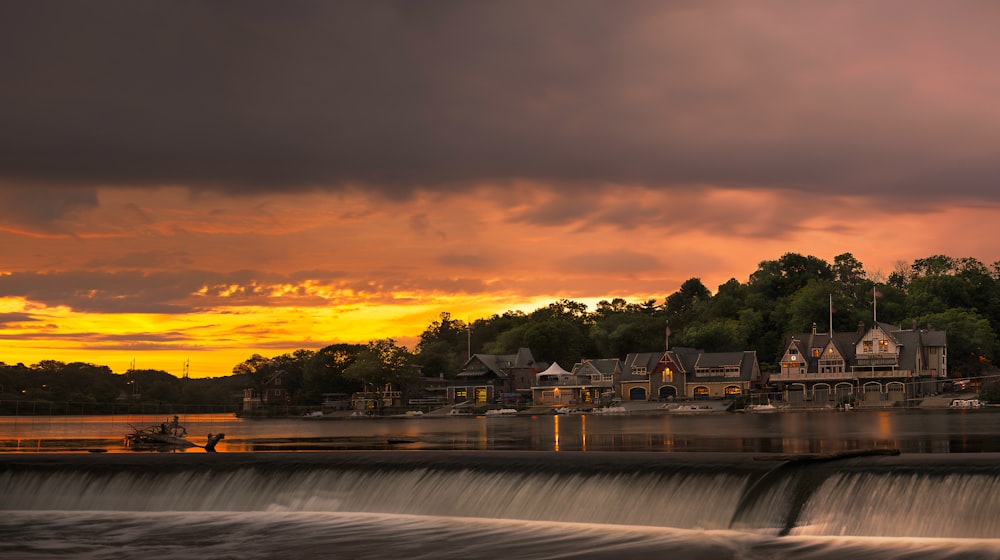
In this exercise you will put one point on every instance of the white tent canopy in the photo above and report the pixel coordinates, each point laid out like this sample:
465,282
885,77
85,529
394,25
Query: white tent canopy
554,370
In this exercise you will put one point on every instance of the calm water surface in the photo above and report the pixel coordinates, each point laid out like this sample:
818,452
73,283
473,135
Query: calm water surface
910,431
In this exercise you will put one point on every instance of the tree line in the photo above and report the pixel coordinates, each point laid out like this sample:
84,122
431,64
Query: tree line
958,295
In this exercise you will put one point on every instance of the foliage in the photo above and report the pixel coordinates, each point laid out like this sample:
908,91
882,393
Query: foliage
443,347
382,363
958,295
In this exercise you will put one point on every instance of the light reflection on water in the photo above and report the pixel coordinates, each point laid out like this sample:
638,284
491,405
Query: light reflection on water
911,431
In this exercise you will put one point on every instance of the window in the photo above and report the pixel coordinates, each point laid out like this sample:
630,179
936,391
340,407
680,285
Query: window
883,346
667,375
866,346
639,370
817,352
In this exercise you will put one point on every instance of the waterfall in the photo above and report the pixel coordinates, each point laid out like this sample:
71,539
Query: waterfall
876,496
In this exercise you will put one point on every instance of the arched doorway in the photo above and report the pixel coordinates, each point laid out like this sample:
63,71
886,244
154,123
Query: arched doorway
895,392
732,391
668,392
821,393
844,392
701,393
797,393
872,392
637,394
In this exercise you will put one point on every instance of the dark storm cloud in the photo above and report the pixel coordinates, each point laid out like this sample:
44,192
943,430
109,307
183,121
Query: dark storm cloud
253,96
9,318
124,292
191,291
141,292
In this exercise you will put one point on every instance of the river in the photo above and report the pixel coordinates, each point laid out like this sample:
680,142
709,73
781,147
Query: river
720,485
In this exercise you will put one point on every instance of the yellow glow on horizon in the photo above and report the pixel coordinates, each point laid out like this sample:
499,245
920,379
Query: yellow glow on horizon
217,339
275,273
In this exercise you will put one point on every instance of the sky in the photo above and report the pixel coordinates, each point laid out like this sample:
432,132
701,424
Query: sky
184,184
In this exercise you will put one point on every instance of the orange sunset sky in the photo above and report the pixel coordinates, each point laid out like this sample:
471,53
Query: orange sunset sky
205,181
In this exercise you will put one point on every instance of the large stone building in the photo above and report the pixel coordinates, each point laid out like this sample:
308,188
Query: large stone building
687,373
878,365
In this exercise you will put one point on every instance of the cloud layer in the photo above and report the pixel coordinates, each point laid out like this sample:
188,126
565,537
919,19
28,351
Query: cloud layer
329,164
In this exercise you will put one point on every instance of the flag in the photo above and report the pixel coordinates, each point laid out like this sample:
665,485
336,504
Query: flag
878,293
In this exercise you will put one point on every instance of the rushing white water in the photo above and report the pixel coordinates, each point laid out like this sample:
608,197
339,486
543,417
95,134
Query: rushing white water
510,505
625,498
915,504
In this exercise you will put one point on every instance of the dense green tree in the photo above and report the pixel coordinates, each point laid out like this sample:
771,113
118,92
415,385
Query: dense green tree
383,363
972,343
444,347
324,372
728,301
556,340
781,278
938,293
487,332
683,301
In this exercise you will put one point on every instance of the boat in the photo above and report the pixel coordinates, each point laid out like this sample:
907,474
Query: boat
501,412
691,409
966,403
760,407
611,410
167,435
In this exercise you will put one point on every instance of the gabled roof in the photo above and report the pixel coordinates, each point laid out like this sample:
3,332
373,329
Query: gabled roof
684,358
745,360
607,366
499,364
845,342
719,359
647,360
933,338
274,376
910,342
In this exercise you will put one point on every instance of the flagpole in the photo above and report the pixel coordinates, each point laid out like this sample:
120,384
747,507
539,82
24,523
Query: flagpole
874,306
831,317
